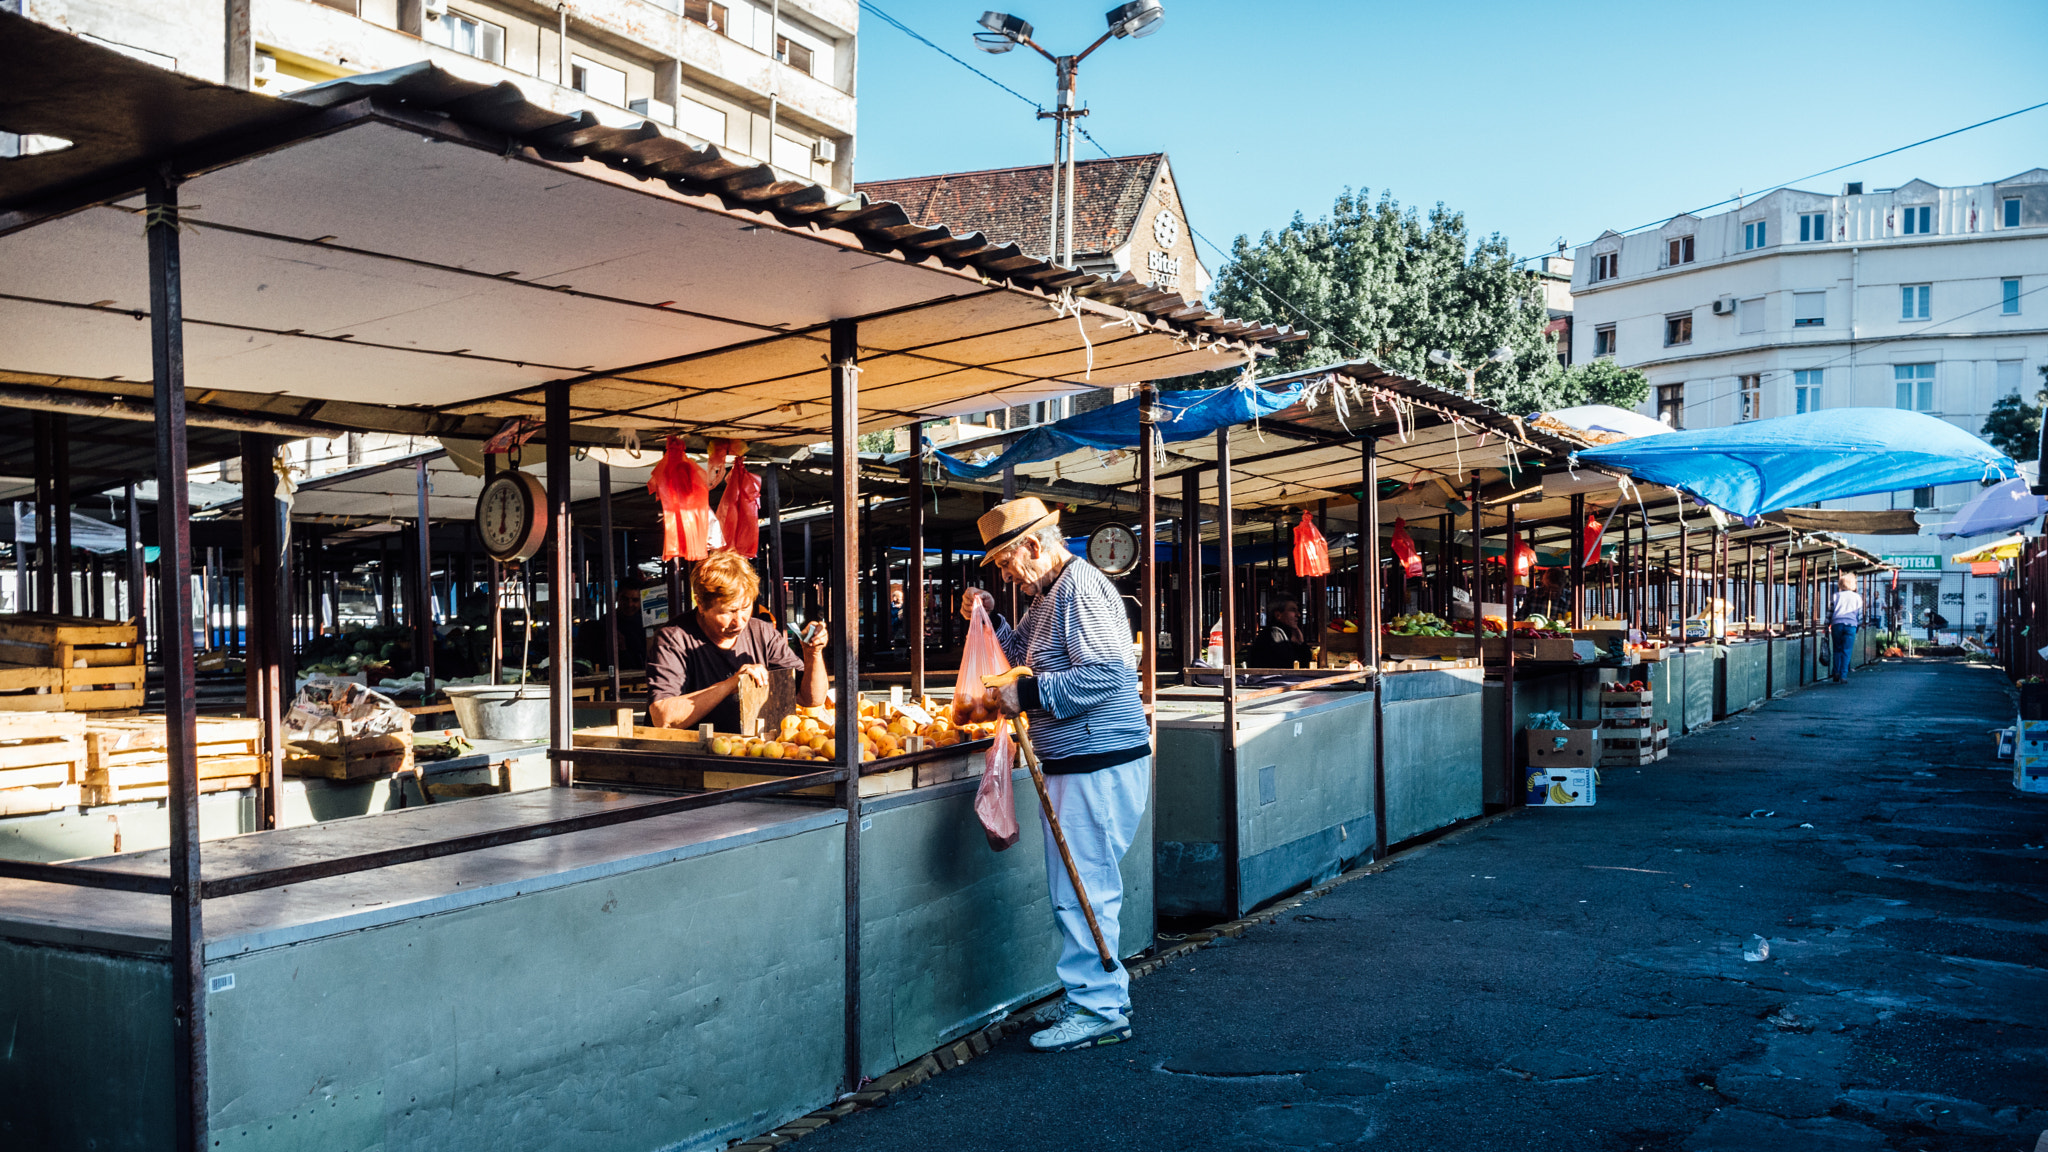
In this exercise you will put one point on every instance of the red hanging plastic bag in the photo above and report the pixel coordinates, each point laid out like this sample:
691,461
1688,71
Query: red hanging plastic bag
739,510
1593,530
994,802
679,483
1405,551
1311,551
1525,556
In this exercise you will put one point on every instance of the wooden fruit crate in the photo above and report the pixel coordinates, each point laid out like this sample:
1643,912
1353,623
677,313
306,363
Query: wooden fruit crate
1544,649
42,761
1399,646
127,758
69,664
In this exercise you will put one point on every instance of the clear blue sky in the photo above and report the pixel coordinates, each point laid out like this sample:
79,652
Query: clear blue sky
1535,120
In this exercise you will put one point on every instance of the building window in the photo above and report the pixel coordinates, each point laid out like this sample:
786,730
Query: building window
1806,390
793,54
2009,296
1749,315
1809,309
1606,266
1678,329
1923,497
1671,404
1917,220
1813,226
467,35
1750,391
713,16
1915,383
2009,211
1753,235
1914,300
1603,340
1678,250
597,81
2009,377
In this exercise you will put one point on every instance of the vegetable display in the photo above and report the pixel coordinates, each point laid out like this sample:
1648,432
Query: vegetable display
885,731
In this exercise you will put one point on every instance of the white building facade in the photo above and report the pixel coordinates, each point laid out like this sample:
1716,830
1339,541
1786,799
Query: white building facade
1917,297
765,80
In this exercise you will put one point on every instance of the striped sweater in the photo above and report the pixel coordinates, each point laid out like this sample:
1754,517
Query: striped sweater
1077,640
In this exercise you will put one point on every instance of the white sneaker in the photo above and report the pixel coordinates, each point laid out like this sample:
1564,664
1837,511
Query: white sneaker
1055,1011
1082,1029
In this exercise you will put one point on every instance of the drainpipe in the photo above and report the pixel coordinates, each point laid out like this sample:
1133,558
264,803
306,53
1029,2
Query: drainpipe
562,45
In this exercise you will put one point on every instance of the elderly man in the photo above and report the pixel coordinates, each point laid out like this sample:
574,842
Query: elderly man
1088,726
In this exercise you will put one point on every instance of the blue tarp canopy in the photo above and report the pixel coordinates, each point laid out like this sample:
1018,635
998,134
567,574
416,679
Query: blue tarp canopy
1187,415
1999,508
1764,465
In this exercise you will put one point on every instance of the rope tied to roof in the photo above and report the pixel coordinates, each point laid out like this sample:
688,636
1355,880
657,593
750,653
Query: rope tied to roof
171,215
1065,305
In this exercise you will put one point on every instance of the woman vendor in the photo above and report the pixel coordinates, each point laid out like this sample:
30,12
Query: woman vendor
696,665
1281,643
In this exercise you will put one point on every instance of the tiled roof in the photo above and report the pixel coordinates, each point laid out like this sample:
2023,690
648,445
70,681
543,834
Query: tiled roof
1014,205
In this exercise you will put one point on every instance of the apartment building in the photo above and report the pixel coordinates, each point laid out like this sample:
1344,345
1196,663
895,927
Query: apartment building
1922,297
771,81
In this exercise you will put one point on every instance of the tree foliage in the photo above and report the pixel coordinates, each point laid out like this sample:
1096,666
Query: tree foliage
1373,280
2014,426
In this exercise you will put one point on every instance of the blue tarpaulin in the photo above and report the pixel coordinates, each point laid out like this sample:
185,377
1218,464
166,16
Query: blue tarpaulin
1764,465
1181,416
1999,508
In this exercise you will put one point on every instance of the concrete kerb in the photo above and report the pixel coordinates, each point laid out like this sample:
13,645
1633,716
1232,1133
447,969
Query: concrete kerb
982,1041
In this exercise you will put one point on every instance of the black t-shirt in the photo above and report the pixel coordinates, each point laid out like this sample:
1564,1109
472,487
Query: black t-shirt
1275,648
684,660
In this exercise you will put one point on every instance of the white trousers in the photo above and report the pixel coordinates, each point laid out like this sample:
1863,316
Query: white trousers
1099,812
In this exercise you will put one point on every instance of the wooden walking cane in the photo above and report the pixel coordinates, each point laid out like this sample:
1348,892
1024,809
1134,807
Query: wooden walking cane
1022,728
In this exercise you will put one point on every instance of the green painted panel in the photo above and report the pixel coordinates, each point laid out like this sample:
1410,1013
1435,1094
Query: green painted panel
87,1050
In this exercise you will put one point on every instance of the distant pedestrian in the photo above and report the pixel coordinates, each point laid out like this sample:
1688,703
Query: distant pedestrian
1845,608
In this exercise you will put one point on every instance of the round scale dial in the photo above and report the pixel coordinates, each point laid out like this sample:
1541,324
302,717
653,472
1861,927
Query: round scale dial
1114,549
509,516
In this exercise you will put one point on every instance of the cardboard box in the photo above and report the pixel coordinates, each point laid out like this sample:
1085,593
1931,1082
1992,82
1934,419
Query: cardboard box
2007,738
1563,787
1574,747
2030,772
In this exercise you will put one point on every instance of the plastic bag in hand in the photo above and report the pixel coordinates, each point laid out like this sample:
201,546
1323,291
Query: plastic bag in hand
679,483
739,510
994,802
1404,549
1311,551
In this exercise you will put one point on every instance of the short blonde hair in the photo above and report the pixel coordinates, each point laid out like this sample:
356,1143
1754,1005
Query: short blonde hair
1848,582
724,577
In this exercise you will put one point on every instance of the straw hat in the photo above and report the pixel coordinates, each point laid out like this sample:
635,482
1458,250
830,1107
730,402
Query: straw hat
1005,524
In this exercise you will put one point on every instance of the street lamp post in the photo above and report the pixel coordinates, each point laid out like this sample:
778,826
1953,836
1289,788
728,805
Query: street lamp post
1002,32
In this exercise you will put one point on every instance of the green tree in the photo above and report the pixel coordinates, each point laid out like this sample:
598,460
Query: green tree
1602,381
1376,281
2013,426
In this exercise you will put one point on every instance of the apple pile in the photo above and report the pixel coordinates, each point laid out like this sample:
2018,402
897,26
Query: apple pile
885,731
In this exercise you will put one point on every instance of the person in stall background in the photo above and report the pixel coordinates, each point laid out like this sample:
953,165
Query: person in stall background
1845,609
1281,643
696,665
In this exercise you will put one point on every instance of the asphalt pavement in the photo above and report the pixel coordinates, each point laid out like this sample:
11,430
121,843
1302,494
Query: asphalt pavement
1575,978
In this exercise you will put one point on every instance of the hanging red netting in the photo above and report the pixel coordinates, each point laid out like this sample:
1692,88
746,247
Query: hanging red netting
1311,551
1405,551
739,510
679,483
1593,530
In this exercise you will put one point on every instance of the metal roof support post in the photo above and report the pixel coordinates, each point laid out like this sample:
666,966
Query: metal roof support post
608,570
1227,564
1478,583
1444,564
1684,577
1190,535
778,588
45,597
561,615
1507,668
181,704
138,570
423,580
1578,517
949,579
1148,560
845,614
267,619
1320,590
60,520
494,588
913,573
1369,631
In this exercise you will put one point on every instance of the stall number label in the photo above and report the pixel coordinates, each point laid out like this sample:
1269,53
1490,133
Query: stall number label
1297,727
221,983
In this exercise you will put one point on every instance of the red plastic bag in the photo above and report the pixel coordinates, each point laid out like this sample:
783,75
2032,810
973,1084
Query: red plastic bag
1311,551
1593,530
739,510
1405,551
1525,556
994,803
679,483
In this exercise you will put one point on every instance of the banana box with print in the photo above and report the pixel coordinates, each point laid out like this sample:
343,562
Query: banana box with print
2030,756
1562,787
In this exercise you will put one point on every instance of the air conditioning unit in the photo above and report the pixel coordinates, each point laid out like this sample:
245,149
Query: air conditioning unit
824,151
1725,306
435,9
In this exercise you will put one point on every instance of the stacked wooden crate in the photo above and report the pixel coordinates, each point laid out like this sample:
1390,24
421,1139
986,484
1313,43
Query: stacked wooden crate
42,761
128,758
1628,736
68,664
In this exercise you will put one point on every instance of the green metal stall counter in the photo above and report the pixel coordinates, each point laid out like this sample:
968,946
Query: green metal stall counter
1436,740
1304,797
670,983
